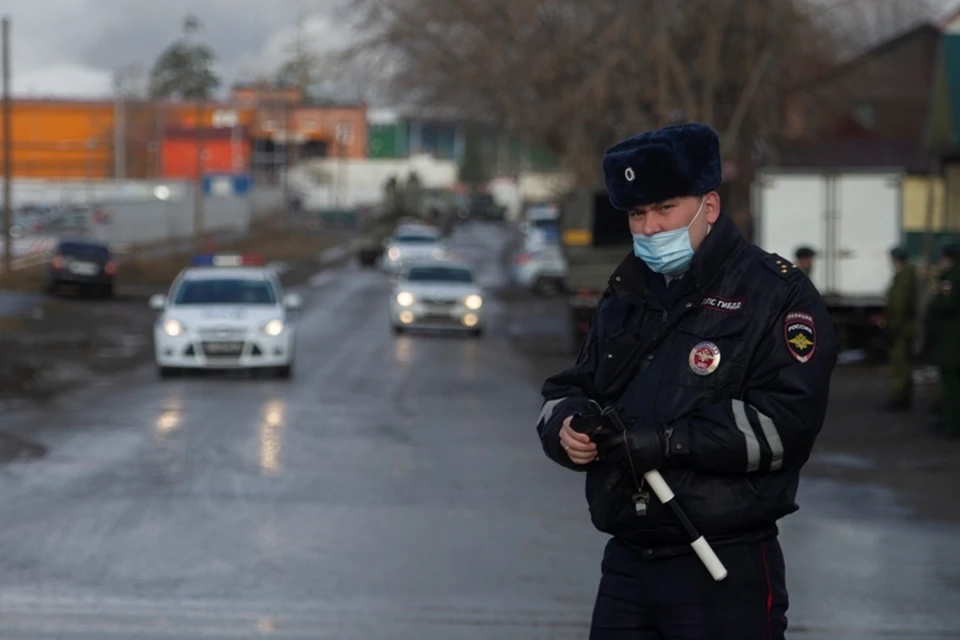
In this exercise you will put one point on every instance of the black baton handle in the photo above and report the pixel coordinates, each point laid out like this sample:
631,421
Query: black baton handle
585,423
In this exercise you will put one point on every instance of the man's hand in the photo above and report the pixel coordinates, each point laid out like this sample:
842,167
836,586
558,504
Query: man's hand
580,449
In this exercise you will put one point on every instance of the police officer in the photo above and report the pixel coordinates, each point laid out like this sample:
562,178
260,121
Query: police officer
901,328
944,343
718,356
803,258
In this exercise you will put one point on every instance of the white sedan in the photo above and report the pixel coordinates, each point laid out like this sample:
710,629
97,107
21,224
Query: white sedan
413,243
229,316
441,295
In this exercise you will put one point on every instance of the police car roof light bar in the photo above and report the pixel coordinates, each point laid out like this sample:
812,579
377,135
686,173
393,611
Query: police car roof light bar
227,260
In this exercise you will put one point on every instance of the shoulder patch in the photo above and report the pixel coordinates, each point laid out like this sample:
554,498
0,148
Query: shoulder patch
800,334
781,266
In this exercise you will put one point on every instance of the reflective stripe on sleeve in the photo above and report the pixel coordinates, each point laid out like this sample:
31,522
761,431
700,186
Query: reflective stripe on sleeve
770,434
743,423
773,439
547,411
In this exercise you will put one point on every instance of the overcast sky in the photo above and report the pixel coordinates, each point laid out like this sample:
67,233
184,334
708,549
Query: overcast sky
72,47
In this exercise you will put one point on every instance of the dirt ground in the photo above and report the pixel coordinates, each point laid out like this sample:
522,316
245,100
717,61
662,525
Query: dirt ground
64,340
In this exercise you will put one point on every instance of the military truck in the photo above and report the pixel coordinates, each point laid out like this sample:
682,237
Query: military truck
596,238
374,231
400,203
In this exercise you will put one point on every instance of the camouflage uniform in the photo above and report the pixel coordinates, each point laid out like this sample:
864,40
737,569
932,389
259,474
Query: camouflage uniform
944,314
902,329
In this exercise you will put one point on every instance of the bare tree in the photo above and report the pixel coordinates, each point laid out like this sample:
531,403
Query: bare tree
577,75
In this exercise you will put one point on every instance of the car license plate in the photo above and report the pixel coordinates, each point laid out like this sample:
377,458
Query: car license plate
222,348
84,268
439,309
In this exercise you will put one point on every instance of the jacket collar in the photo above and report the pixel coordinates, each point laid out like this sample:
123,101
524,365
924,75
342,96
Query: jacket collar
723,241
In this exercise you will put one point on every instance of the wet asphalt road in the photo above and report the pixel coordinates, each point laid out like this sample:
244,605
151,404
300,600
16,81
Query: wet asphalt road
394,489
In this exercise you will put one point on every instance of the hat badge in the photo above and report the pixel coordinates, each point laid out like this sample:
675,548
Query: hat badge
629,174
704,358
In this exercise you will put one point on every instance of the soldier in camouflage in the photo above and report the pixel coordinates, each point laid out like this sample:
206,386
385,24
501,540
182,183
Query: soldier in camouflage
901,329
944,341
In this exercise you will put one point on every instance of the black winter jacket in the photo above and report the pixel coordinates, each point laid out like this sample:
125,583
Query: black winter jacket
737,431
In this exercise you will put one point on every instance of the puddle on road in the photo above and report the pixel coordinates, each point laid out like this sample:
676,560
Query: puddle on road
13,449
842,460
129,346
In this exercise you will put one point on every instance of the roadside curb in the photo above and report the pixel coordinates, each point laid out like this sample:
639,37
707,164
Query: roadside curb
338,253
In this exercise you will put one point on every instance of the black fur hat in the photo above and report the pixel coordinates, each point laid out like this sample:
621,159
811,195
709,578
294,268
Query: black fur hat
672,162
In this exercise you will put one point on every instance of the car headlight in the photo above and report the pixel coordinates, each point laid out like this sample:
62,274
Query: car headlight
405,298
473,302
393,253
274,328
173,328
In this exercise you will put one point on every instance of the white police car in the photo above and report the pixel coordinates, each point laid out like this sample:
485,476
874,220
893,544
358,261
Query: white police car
225,312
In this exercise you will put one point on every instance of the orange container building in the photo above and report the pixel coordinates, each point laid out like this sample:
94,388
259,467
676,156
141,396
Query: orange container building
222,151
58,138
55,138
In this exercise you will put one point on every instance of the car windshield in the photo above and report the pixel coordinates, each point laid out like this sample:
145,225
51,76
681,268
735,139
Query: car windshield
83,250
225,291
416,239
439,274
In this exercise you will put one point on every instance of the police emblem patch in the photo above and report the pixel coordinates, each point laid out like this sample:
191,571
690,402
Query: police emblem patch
704,358
800,333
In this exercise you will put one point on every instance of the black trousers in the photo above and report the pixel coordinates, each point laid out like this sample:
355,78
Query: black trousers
676,599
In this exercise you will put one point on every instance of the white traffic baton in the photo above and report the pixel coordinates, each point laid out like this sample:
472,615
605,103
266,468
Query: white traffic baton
665,495
699,544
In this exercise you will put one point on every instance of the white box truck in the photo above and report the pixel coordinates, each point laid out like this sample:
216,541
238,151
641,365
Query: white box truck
851,218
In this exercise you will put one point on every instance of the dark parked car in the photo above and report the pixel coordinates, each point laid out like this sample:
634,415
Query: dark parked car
85,264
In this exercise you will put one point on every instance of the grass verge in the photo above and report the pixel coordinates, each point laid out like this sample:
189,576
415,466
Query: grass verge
273,242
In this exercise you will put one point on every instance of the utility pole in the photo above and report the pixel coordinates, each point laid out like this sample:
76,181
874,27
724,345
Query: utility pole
7,151
302,80
198,185
342,137
190,27
119,127
287,140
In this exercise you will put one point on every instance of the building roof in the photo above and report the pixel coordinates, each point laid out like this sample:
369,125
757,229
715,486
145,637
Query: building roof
924,30
865,153
950,21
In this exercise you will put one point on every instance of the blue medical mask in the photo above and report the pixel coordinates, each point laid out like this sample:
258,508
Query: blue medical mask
667,252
